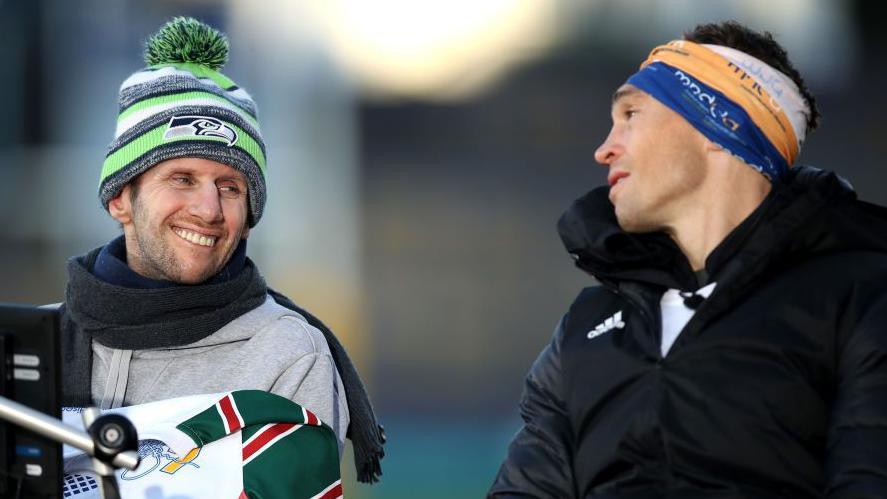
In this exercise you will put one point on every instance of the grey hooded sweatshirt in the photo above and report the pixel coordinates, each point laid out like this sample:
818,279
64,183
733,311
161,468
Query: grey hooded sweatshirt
270,348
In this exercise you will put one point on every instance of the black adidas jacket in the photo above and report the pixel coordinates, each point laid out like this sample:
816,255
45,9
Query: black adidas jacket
776,388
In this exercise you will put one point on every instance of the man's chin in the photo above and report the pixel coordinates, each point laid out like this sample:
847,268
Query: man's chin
195,265
634,224
194,275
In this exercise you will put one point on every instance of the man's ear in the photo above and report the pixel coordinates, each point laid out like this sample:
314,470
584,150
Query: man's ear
120,206
245,233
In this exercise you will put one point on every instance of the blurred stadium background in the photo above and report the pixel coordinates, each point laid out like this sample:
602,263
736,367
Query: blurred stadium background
420,154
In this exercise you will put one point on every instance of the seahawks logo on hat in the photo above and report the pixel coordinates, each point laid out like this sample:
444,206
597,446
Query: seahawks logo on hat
199,126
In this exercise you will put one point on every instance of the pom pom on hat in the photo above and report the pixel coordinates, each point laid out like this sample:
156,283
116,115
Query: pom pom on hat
187,40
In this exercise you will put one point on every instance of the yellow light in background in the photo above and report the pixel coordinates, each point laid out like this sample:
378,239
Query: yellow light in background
434,49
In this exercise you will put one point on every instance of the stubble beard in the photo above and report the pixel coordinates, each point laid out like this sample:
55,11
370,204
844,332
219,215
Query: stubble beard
654,211
157,257
637,216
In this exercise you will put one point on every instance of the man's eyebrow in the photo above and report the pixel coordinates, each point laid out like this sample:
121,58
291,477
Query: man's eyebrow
177,169
232,178
623,92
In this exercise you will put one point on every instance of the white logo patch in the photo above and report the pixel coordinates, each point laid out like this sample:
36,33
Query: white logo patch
614,322
199,126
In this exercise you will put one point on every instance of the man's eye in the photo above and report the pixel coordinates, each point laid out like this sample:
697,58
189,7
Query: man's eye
629,113
181,179
231,190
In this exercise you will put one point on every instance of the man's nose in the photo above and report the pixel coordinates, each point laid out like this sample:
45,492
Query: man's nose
206,204
609,151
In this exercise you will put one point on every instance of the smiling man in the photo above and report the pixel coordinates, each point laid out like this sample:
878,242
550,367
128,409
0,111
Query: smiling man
736,345
183,219
173,307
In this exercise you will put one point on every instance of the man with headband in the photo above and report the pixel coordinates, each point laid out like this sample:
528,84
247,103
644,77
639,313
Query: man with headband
736,346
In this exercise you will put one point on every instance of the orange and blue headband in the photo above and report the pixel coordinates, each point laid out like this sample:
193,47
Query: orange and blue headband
735,100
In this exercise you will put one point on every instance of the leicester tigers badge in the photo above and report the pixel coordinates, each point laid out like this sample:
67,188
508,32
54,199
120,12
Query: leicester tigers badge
199,126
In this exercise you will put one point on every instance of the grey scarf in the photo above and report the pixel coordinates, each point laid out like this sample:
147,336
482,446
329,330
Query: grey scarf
132,318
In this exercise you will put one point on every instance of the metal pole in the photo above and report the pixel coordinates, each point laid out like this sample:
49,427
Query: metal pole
54,429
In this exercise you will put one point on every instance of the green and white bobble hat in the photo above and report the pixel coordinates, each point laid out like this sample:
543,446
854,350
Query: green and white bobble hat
182,106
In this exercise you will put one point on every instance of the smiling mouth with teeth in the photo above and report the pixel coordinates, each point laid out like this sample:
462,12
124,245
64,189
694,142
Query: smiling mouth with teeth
193,237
